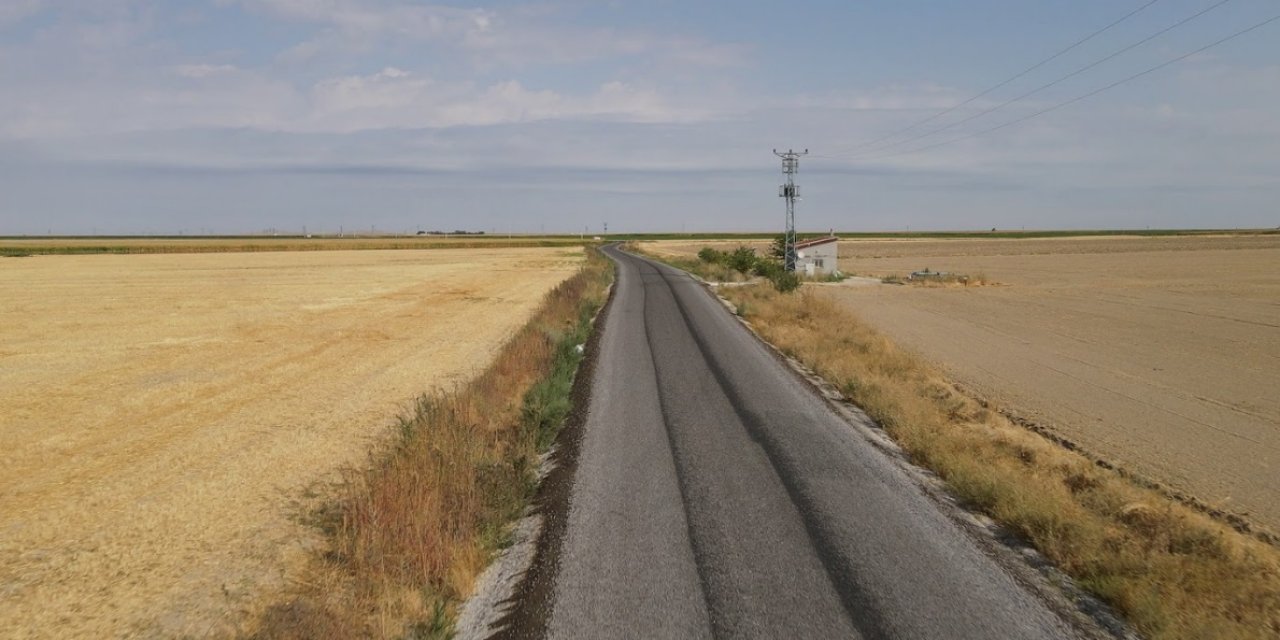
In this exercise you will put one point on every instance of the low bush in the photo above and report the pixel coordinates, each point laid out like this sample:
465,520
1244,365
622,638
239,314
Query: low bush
744,261
768,269
785,281
707,254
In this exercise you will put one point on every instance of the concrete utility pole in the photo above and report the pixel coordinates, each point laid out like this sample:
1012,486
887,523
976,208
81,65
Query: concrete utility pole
790,191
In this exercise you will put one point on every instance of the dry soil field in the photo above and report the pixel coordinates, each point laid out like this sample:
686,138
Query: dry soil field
1160,353
162,417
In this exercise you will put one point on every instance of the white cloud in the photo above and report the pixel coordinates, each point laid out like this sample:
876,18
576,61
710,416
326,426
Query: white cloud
503,38
14,10
394,98
894,97
203,70
508,43
351,23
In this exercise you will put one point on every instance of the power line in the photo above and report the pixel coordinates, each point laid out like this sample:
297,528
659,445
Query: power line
1089,94
1004,82
1057,81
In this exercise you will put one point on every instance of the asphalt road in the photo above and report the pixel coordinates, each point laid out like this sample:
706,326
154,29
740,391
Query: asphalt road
717,496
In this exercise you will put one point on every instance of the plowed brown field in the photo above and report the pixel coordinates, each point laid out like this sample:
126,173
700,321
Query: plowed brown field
1159,353
162,417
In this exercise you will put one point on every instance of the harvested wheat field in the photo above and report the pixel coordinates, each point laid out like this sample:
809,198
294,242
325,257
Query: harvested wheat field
690,248
1161,354
212,244
167,419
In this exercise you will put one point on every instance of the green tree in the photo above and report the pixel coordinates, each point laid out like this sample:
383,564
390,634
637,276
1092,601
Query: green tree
778,250
768,268
743,259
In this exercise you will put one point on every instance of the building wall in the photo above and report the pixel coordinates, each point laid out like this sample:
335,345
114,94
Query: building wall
822,257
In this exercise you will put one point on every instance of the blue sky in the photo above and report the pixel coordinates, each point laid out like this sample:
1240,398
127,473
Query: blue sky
237,116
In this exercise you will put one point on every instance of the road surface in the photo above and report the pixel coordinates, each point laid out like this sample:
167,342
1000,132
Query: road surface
716,496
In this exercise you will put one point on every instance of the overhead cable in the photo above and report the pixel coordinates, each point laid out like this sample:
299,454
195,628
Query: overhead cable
1047,85
1016,76
1090,94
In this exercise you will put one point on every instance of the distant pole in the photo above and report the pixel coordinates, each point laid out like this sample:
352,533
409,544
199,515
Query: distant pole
790,191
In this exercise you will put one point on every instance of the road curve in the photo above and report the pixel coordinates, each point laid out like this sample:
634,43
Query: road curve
716,496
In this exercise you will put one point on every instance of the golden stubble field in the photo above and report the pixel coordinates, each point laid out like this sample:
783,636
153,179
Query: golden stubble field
165,418
1159,353
241,244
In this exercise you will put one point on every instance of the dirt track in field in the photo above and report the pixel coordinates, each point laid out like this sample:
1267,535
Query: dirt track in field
1160,353
164,417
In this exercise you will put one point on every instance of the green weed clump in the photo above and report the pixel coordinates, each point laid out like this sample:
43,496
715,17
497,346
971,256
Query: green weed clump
1173,572
940,280
412,531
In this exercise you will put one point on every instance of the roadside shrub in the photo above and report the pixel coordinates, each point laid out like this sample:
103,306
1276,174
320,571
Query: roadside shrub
776,274
785,281
769,269
743,259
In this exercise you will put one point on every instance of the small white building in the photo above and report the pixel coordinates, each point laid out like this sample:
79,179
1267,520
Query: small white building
817,256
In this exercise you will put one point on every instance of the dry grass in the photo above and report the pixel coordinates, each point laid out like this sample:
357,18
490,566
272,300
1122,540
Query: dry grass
412,531
1173,572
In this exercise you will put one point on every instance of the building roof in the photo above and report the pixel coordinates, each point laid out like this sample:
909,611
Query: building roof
812,242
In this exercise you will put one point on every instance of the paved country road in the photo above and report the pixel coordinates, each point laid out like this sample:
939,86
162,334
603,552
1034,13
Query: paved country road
716,495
